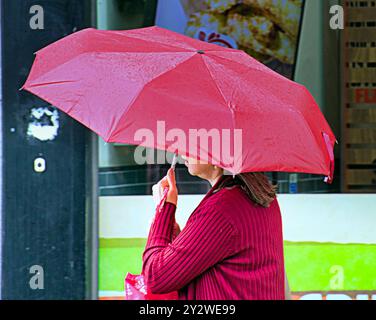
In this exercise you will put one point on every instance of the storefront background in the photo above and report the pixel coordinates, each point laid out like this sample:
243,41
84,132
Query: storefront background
330,246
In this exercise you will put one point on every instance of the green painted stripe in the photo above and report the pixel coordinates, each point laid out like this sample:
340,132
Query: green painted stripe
121,242
141,242
326,267
309,266
312,243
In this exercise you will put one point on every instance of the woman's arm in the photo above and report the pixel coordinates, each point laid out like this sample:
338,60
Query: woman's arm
175,231
206,240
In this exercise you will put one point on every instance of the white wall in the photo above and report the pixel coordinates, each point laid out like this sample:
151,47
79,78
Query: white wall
339,218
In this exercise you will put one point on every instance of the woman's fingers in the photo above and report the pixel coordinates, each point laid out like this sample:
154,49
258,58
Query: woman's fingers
167,182
172,195
164,183
171,178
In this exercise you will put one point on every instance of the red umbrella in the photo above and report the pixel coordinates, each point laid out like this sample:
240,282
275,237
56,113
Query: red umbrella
126,85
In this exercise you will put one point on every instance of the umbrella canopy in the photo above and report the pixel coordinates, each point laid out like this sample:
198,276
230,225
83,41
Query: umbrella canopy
126,84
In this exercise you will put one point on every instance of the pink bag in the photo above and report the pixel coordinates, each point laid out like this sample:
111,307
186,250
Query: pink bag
135,289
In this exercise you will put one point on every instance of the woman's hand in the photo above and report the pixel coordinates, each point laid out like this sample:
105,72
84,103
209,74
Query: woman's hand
167,182
170,183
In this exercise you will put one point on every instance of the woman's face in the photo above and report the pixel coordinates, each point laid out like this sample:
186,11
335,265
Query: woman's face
203,170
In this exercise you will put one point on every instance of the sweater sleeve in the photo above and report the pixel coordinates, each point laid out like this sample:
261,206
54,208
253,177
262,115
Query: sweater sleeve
205,241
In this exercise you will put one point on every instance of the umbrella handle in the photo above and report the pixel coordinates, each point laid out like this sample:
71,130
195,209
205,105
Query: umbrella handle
165,190
329,147
174,161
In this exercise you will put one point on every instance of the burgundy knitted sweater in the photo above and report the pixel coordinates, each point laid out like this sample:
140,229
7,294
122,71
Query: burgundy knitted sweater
229,249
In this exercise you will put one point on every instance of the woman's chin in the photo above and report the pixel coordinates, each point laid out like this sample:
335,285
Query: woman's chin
192,172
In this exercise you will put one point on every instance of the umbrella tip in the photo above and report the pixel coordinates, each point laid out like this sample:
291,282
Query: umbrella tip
200,51
20,89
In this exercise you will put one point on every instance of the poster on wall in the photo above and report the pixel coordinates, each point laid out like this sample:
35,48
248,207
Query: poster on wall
268,30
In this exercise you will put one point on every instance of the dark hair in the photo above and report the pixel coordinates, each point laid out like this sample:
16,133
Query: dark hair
255,184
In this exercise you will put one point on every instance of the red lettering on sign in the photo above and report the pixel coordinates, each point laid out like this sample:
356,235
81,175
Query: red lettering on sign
365,96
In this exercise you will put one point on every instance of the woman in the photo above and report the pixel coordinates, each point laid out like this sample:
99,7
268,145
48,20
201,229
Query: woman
231,247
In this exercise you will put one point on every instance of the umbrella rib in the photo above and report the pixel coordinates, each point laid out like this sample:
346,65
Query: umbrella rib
33,84
128,33
308,125
264,68
211,76
111,133
51,83
154,41
220,91
273,74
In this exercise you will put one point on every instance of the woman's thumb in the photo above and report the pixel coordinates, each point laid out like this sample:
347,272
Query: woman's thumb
171,178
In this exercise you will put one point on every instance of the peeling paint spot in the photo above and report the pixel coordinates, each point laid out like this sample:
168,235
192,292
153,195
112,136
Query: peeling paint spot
44,123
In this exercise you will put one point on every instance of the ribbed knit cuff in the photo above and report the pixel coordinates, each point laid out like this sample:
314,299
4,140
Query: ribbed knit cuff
162,227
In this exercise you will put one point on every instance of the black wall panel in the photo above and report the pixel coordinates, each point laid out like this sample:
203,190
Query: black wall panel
44,215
